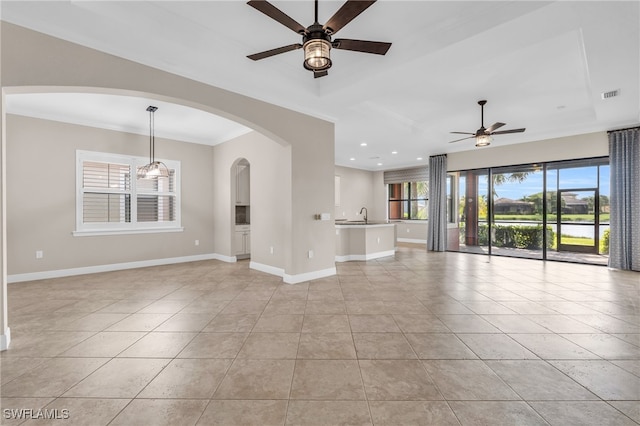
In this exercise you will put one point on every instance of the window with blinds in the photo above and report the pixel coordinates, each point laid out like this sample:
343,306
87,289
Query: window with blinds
110,197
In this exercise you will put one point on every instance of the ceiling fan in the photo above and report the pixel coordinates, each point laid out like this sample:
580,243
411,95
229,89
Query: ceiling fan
316,38
482,135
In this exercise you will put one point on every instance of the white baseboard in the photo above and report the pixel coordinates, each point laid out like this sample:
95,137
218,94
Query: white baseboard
31,276
279,272
308,276
289,279
411,240
370,256
5,339
292,279
223,258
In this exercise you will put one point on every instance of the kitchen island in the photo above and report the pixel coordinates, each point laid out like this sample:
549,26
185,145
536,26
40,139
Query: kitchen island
360,240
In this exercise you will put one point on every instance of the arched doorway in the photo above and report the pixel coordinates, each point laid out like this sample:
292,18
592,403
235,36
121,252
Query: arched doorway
241,202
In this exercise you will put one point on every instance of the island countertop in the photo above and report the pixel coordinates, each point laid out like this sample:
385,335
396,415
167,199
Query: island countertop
361,223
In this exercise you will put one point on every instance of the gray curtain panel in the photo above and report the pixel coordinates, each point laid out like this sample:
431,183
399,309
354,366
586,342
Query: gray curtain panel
624,237
437,220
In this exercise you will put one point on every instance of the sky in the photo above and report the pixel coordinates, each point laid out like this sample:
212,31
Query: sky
573,178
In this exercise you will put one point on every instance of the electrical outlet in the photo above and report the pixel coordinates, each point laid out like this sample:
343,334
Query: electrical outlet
378,240
271,250
39,254
197,242
310,254
408,230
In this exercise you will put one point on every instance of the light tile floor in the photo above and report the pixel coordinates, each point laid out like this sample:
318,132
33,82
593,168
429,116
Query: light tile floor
419,338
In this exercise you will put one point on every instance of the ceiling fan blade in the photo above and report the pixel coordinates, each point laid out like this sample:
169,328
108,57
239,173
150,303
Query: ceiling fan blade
463,133
376,47
494,126
463,139
346,14
318,74
503,132
272,52
274,13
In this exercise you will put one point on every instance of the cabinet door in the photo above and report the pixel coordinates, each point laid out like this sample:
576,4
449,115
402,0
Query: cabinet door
239,242
242,185
247,242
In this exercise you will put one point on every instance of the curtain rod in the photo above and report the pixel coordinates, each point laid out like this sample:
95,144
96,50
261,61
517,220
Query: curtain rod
621,130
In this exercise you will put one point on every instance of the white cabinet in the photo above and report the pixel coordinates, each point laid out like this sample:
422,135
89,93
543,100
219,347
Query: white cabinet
242,241
242,185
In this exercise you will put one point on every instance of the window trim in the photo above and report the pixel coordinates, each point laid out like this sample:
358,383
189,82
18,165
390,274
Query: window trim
408,200
133,227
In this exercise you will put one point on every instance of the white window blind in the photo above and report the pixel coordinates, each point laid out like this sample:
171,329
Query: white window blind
106,192
156,199
109,200
415,174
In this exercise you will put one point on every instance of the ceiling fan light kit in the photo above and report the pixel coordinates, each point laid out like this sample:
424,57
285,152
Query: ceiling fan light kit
483,140
316,39
317,55
483,135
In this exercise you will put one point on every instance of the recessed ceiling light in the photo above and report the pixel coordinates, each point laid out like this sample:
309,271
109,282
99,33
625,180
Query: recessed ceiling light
419,158
352,159
363,144
394,152
379,164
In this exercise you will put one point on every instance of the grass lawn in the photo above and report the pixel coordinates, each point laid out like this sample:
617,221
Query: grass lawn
577,241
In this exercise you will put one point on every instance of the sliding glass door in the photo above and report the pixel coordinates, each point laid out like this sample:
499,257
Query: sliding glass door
579,210
557,211
517,226
473,209
577,221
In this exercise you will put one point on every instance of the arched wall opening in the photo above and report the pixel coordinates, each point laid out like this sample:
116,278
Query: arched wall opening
34,61
240,178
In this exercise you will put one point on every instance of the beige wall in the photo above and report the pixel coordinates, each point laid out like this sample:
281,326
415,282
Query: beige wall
5,332
571,147
270,182
360,188
380,196
41,197
412,231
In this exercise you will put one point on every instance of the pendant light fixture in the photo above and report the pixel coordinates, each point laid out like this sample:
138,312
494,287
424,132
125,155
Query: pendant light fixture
154,169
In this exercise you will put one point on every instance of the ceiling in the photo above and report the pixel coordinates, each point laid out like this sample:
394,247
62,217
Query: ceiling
540,65
127,114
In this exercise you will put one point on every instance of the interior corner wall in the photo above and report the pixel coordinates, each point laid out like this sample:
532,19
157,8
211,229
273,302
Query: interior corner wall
5,332
360,188
41,198
566,148
270,184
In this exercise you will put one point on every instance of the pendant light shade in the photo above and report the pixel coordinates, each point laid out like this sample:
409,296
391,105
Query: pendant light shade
154,169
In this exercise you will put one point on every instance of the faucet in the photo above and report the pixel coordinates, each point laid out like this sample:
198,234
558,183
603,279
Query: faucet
365,213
